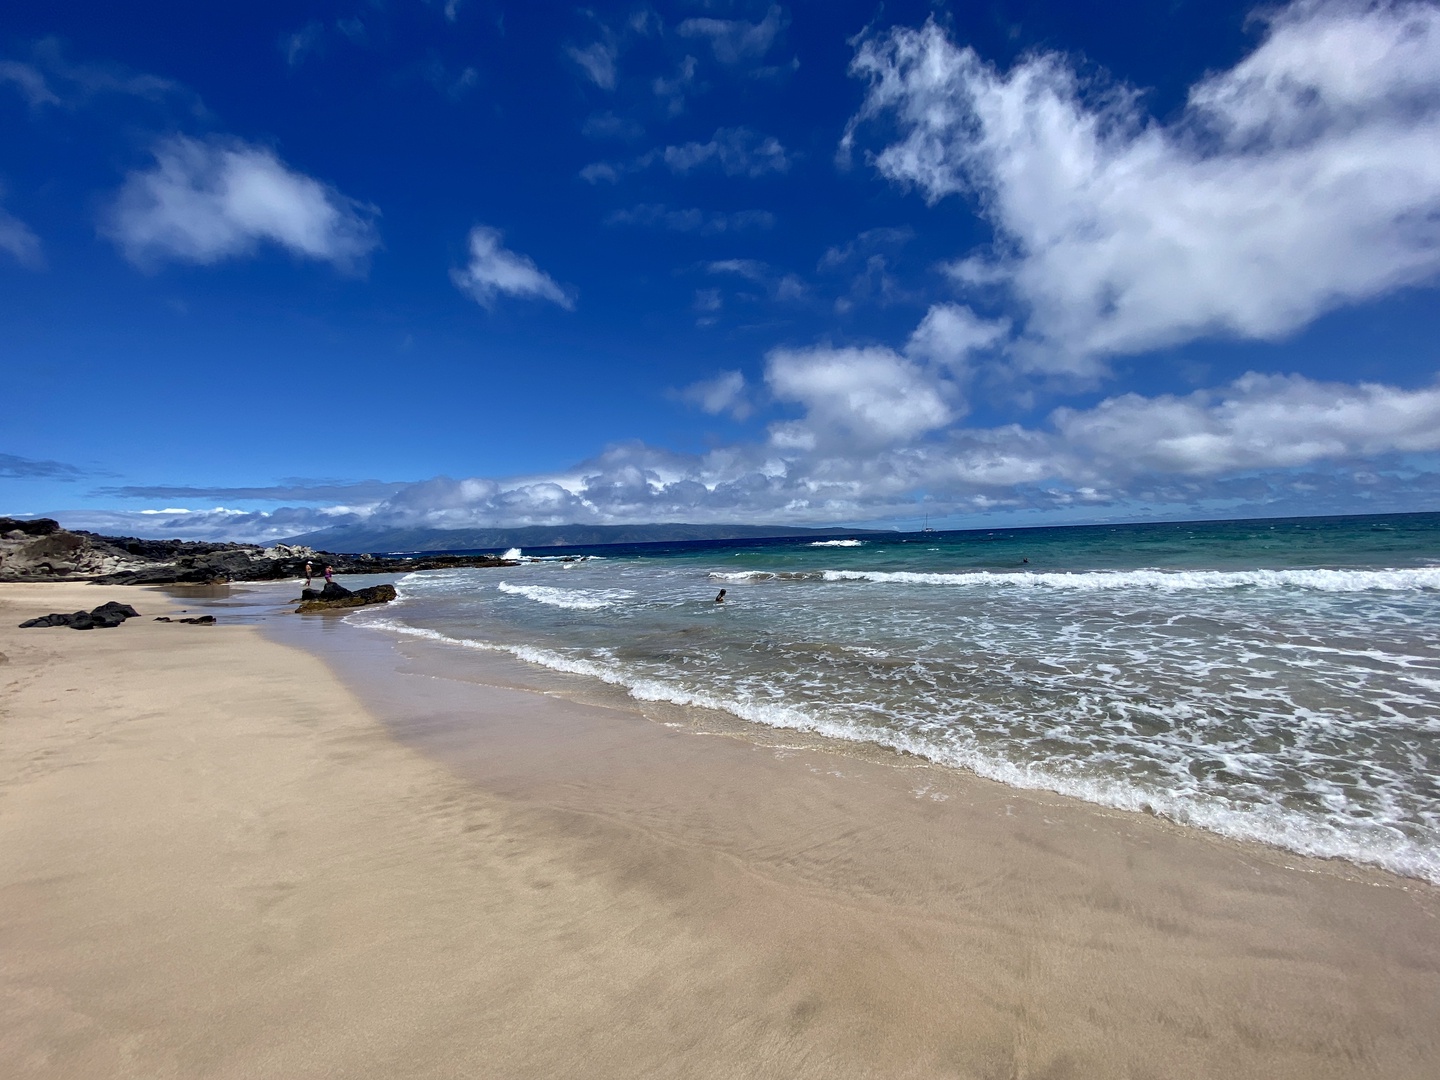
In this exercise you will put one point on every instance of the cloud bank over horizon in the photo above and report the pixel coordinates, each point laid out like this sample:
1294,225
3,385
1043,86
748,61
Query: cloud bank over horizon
1245,447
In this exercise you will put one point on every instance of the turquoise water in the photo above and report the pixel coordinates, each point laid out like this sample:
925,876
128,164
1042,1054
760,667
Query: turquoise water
1276,681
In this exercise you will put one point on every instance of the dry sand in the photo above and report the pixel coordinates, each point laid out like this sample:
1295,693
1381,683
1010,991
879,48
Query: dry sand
215,861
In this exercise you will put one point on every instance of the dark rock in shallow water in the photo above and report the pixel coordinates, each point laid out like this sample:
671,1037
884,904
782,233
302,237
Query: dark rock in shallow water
198,620
337,596
331,591
104,616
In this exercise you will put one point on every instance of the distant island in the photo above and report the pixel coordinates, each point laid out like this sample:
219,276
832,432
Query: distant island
392,540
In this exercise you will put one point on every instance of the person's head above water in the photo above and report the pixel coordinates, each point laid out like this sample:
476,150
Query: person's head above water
720,597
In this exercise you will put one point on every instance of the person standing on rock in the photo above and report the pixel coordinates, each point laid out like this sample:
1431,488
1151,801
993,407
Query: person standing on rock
309,572
329,575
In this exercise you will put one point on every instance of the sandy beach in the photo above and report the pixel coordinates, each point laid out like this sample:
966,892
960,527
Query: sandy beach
222,855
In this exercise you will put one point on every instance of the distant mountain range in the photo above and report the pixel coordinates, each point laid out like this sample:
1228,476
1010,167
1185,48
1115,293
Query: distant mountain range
356,538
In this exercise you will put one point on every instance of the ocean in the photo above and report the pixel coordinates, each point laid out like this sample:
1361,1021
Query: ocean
1274,681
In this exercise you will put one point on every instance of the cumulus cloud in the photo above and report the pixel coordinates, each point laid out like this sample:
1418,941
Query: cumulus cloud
209,523
208,200
1303,178
868,396
1257,422
951,333
735,41
874,433
893,443
494,270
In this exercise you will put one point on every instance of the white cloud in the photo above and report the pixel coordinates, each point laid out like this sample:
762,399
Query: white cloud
778,286
19,241
736,151
750,269
868,396
297,45
705,222
673,90
597,61
868,443
221,198
735,41
29,81
51,79
494,269
867,243
1306,177
607,125
726,393
600,172
1257,422
950,333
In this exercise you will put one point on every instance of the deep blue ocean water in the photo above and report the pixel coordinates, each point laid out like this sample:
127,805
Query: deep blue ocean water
1275,680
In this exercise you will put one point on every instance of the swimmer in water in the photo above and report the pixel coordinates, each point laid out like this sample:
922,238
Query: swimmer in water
720,597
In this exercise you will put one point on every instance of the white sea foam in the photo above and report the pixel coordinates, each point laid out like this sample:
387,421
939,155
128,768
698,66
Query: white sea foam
1335,581
575,599
1374,842
837,543
513,554
741,577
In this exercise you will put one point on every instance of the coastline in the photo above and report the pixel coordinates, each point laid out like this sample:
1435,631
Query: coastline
237,857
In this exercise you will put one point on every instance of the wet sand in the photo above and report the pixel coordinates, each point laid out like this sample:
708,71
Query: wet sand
217,860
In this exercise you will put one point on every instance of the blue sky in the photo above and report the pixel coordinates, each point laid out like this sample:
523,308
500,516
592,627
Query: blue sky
479,263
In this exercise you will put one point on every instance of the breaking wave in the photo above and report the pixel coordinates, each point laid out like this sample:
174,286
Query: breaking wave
1373,842
574,599
1336,581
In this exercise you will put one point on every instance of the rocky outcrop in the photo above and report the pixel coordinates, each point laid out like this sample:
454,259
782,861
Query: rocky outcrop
105,616
41,550
337,596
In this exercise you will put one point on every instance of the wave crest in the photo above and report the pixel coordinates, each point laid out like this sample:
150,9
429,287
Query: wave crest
1340,581
574,599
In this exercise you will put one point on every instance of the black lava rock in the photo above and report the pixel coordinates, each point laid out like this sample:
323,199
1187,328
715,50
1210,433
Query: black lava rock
105,616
